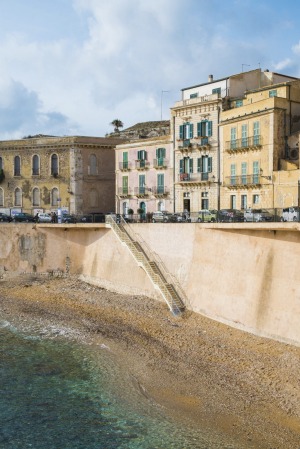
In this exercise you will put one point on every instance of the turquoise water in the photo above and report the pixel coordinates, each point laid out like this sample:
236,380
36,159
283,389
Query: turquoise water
57,394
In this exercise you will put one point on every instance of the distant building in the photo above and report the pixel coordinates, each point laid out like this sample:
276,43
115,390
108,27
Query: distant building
45,173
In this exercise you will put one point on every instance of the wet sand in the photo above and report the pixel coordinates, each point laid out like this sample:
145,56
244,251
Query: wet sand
199,370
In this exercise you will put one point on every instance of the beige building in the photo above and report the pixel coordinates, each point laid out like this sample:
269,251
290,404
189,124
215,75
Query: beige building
260,160
44,173
144,176
198,164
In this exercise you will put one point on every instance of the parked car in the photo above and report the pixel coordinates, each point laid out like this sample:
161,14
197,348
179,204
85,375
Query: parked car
43,218
206,215
258,215
290,214
23,217
160,216
5,217
68,218
230,216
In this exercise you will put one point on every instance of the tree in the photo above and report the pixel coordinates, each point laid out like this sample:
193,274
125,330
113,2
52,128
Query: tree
117,124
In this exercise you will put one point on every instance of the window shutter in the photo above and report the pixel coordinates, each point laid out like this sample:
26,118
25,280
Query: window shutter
181,132
139,155
191,165
199,165
199,129
209,129
181,166
209,165
191,131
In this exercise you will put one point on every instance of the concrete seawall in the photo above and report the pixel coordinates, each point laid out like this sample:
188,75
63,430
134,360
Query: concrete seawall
244,275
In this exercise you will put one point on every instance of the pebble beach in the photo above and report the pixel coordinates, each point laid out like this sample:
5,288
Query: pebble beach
197,369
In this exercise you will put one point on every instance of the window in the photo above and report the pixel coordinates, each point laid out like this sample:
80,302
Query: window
142,184
93,198
256,133
93,165
54,197
142,157
244,172
160,183
273,93
186,132
204,128
244,201
244,135
194,95
217,90
54,165
18,197
204,200
255,199
125,185
125,160
1,163
255,172
1,197
233,174
35,165
36,197
233,138
204,166
186,165
17,166
160,156
232,201
238,103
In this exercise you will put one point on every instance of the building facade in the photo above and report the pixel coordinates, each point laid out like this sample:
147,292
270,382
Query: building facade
198,144
75,174
144,176
255,134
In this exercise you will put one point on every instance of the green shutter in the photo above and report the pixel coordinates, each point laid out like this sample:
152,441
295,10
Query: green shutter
209,165
181,166
181,132
209,129
139,155
199,165
191,165
191,131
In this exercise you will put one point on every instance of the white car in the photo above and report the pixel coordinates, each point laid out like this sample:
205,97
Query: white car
290,214
44,218
160,216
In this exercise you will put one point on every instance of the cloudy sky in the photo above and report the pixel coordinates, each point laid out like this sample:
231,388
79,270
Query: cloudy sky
70,67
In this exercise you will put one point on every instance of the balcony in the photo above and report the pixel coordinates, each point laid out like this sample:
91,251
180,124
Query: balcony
196,100
124,192
142,191
195,178
242,181
160,163
160,191
142,164
125,166
243,144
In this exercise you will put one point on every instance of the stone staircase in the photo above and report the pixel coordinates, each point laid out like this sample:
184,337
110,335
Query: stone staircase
160,277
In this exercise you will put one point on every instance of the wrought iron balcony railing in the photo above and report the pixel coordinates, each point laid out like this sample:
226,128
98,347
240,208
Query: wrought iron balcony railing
142,191
124,166
125,191
245,143
242,180
160,190
142,164
160,163
195,177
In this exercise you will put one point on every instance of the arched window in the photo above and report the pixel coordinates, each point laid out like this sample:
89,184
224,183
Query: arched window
54,197
1,197
54,165
93,165
36,197
17,166
18,197
93,198
1,163
35,165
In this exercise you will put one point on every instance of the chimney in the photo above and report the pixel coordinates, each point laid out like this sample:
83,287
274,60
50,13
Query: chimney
210,78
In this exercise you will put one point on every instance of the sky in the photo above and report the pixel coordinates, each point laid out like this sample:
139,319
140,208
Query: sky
71,67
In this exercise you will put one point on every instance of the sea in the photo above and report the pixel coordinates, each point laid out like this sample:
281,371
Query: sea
57,393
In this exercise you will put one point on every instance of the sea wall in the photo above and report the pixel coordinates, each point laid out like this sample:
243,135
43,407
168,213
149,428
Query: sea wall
244,275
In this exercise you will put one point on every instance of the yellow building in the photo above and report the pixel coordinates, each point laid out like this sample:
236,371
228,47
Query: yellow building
255,132
43,173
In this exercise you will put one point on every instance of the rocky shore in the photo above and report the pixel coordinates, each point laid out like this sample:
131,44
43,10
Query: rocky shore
198,369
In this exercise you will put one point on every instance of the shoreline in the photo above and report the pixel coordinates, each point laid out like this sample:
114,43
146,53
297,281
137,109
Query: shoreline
198,369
